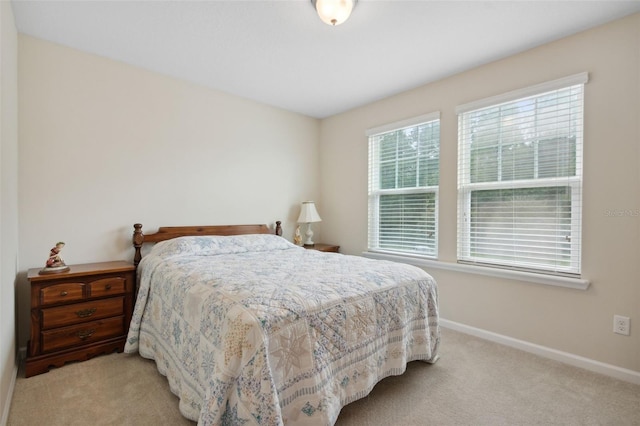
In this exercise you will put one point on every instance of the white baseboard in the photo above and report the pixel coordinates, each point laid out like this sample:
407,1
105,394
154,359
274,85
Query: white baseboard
565,357
7,402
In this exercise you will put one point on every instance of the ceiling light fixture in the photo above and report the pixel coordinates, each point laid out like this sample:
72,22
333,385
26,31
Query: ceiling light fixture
334,12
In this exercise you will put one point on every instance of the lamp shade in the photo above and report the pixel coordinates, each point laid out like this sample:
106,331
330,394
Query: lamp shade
334,12
308,213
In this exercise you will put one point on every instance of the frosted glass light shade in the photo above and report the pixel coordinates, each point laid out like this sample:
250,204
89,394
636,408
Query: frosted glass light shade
334,12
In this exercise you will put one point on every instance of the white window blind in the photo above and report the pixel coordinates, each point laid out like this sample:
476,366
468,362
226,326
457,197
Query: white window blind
520,179
404,173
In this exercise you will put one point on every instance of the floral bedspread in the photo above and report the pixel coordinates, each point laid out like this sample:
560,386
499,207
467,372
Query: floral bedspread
252,329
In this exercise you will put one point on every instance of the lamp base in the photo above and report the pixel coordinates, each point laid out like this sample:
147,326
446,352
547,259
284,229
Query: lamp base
309,235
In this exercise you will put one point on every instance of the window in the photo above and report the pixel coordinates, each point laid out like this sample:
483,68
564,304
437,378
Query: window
404,173
520,178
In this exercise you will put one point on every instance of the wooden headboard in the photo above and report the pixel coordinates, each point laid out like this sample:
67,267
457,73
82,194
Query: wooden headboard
169,232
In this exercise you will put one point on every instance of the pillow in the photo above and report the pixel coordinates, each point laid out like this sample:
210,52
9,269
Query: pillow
258,242
211,245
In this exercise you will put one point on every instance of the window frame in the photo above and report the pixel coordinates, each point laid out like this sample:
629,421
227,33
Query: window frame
466,187
373,194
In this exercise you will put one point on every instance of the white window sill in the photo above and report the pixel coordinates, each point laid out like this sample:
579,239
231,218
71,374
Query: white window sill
553,280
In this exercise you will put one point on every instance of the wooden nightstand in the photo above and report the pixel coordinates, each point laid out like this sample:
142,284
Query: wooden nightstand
323,247
78,314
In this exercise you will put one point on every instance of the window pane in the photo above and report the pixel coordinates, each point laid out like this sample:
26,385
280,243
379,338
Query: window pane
404,172
557,157
407,223
388,175
429,161
517,161
484,164
407,172
526,139
410,157
514,224
520,180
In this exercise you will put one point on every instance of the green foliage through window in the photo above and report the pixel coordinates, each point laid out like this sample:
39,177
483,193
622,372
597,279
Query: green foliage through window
404,173
520,181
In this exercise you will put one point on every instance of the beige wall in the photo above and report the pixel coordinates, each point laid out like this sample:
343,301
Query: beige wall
104,145
574,321
8,202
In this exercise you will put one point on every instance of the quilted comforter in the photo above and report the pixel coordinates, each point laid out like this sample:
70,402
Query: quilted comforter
252,329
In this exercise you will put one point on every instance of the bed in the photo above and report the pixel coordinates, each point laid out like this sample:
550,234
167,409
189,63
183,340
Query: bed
251,329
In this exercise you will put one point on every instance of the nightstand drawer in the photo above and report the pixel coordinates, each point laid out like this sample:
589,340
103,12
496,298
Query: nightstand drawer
65,337
107,286
61,293
82,312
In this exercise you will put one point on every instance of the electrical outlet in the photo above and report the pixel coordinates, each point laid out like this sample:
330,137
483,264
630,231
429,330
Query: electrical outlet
621,324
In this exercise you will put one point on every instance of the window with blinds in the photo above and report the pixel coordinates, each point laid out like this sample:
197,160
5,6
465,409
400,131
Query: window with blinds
404,173
520,178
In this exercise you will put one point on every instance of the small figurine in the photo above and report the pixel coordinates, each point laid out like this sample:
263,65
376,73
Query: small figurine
297,238
54,262
54,256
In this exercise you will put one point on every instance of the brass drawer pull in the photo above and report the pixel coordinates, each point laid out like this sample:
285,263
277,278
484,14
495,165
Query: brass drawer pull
107,287
85,334
86,312
63,293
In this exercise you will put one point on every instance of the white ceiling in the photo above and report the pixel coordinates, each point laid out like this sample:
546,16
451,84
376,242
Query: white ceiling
280,53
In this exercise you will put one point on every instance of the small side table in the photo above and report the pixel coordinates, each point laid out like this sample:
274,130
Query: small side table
79,314
324,247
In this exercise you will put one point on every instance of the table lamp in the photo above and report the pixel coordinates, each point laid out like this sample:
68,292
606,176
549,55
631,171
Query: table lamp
308,215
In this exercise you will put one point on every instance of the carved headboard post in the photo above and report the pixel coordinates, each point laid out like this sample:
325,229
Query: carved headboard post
138,239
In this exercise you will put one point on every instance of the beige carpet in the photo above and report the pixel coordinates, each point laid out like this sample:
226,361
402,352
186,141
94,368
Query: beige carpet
475,382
